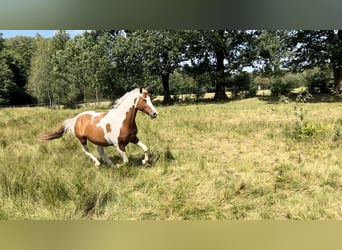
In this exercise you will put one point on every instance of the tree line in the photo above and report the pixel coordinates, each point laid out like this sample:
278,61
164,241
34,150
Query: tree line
104,64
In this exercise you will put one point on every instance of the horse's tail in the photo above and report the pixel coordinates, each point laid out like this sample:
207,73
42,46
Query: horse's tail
56,133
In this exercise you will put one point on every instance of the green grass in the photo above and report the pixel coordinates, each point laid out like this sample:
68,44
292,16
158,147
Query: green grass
246,159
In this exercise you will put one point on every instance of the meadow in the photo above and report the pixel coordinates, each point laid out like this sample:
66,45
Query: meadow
246,159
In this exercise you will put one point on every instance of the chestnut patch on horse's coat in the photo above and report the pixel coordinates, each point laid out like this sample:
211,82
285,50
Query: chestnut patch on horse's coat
85,128
108,128
128,130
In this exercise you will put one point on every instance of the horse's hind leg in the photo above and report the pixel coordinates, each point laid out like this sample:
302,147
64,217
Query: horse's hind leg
86,151
100,149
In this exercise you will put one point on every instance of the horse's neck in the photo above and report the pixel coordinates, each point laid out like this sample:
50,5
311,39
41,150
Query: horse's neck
127,111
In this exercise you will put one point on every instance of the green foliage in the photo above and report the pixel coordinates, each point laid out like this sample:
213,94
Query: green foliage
318,80
242,85
39,83
321,48
67,71
64,71
7,84
181,83
316,48
304,129
284,85
143,55
272,52
15,55
281,87
216,54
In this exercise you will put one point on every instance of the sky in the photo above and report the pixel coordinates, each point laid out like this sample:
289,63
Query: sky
32,33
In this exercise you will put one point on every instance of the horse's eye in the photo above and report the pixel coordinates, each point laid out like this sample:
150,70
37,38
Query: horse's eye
145,101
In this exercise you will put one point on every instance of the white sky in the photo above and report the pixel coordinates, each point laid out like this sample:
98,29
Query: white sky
32,33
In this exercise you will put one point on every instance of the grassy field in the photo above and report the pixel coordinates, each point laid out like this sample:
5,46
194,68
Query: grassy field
247,159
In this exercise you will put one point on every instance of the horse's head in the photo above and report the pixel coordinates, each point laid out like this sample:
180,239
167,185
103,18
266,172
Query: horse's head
145,105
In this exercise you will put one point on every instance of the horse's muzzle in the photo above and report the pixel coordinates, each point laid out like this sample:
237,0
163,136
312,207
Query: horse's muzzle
153,115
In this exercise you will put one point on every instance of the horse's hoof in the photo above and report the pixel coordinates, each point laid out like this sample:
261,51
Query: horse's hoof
110,164
144,162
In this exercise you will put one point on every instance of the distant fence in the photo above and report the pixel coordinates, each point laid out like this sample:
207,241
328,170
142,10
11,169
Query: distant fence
24,105
104,103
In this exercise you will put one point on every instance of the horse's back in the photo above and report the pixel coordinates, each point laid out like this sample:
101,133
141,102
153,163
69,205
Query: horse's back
86,127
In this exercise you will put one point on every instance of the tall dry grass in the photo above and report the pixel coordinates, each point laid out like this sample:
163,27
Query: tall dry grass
245,159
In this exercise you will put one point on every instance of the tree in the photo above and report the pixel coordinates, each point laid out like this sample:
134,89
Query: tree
39,82
6,77
59,77
272,53
98,63
90,64
181,83
64,71
145,54
24,47
15,58
216,54
7,84
318,48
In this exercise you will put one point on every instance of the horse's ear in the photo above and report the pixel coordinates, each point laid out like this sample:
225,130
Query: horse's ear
143,90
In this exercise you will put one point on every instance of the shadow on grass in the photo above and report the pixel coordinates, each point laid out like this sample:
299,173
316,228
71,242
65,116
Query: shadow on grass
316,98
194,101
156,157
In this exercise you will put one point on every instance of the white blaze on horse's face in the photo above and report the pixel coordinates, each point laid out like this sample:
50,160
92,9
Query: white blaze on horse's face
145,105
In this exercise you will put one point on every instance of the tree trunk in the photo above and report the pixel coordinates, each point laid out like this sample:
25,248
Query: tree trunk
220,92
50,99
338,78
84,94
335,40
96,96
166,88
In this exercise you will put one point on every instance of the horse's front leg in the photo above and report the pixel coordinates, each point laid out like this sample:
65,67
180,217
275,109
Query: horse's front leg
121,149
144,147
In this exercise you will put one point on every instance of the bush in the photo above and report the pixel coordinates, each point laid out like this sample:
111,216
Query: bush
181,83
318,81
281,87
243,85
285,84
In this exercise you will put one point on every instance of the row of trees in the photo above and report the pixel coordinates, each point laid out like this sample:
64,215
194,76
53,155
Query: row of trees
107,63
15,60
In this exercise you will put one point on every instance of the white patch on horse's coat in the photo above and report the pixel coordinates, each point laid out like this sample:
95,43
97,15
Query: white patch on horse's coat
115,118
86,151
149,103
123,154
144,147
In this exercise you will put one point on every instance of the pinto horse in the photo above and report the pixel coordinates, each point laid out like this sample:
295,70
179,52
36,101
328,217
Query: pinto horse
116,127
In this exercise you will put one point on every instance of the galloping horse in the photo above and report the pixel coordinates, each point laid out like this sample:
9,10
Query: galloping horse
116,127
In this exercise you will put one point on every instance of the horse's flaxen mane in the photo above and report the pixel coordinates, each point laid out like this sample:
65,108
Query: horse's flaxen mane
124,97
